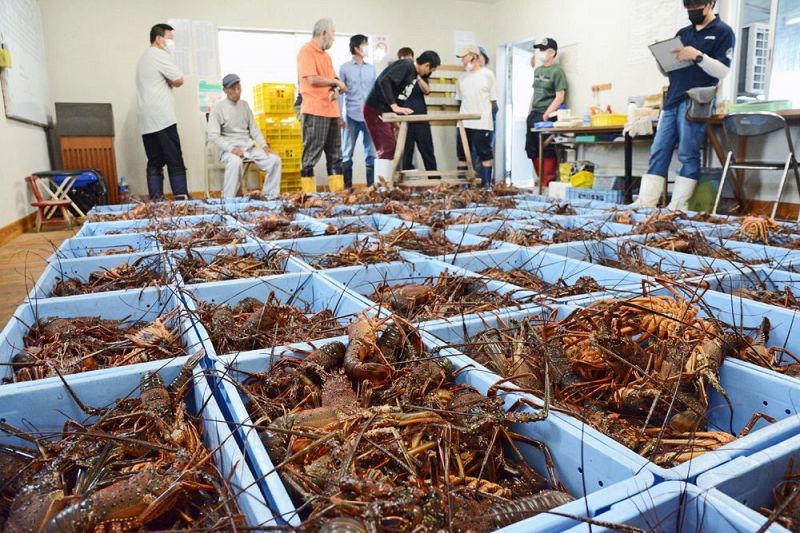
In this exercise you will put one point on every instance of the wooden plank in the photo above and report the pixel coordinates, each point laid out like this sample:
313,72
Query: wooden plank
430,117
436,183
425,173
399,150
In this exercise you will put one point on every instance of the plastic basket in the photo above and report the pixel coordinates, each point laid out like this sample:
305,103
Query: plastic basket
291,155
584,465
47,406
83,268
299,289
378,222
128,306
291,182
274,98
78,247
278,130
675,506
613,197
550,269
609,119
608,183
750,481
749,389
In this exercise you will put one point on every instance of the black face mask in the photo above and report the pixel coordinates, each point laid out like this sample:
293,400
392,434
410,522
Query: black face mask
696,16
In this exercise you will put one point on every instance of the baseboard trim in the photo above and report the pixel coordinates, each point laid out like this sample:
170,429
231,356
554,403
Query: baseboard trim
17,228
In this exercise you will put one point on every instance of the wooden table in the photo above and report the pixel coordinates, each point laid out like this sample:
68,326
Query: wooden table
422,178
546,136
792,116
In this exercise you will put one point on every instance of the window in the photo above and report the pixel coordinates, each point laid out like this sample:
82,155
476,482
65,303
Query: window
259,56
768,50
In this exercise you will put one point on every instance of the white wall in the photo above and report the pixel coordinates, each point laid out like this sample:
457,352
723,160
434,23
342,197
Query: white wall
23,150
94,45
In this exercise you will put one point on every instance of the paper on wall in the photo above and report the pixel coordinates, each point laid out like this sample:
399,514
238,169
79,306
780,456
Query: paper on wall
462,39
183,44
204,38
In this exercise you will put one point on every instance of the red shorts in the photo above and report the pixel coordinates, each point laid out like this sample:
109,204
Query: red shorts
381,132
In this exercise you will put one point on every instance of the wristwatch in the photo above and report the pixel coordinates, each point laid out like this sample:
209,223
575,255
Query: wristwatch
698,59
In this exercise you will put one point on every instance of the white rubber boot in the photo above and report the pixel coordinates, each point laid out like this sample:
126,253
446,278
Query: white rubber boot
383,167
681,193
649,191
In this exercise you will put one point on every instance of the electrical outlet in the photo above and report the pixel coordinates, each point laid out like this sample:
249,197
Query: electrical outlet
5,58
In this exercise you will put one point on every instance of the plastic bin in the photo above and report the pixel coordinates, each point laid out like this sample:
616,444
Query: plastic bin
608,183
47,406
82,247
290,264
299,290
129,306
609,119
312,249
675,506
460,239
749,389
750,481
378,222
584,465
141,225
83,268
363,280
274,98
551,269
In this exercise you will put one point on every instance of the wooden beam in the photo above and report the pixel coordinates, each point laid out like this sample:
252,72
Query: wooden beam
436,183
426,173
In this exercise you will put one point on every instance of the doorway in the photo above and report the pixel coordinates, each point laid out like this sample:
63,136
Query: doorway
515,92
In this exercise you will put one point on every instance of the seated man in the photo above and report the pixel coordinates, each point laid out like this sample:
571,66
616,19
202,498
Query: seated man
232,127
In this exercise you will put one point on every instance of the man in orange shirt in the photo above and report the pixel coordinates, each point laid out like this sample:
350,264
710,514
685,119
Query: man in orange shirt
320,89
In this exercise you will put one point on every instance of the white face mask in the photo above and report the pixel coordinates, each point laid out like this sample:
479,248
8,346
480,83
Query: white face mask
541,58
170,44
469,67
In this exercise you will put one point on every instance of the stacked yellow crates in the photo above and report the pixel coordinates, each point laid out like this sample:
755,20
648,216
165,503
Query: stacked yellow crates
273,105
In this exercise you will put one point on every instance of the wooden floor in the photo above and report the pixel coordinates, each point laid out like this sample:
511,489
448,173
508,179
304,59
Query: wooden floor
21,263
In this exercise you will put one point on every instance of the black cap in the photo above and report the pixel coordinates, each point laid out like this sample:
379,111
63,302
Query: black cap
547,42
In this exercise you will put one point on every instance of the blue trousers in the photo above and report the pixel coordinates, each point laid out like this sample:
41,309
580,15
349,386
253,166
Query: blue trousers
351,132
674,131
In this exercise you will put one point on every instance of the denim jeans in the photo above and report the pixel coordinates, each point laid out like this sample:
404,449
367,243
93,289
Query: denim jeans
351,132
675,131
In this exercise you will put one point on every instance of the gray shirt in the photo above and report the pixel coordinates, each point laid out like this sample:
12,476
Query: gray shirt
233,125
156,102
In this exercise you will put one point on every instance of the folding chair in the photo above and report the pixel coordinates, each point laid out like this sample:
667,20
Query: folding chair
757,124
42,205
212,160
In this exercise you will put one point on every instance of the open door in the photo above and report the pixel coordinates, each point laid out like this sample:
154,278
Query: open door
515,79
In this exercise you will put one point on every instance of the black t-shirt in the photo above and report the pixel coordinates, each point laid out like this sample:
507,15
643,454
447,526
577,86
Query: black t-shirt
394,85
716,41
417,99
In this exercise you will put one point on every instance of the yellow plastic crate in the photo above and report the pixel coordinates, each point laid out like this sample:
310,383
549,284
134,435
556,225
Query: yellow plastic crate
290,182
609,119
274,98
280,131
291,156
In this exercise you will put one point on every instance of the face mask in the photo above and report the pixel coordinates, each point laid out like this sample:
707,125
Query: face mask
696,16
364,51
170,44
469,67
541,58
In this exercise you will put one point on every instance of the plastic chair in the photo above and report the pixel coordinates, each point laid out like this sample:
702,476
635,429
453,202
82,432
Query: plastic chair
42,206
751,125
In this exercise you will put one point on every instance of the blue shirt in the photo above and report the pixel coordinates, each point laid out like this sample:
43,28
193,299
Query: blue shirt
359,80
716,41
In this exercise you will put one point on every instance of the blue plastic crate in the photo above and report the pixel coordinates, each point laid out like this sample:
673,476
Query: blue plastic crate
585,466
750,389
82,247
300,290
290,264
312,226
675,506
47,406
750,481
676,264
755,279
363,280
377,222
311,250
551,268
168,240
83,268
461,240
128,306
92,229
613,197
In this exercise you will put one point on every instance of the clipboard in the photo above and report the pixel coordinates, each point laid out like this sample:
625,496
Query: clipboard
663,52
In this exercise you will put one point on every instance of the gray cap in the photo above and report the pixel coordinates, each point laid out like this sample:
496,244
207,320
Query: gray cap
230,80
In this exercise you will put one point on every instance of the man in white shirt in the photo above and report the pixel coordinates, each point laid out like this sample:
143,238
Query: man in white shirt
156,76
232,127
478,93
